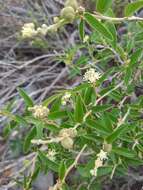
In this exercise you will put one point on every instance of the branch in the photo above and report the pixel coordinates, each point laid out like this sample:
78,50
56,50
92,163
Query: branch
107,18
60,183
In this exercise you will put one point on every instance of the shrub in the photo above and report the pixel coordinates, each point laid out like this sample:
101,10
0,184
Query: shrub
100,120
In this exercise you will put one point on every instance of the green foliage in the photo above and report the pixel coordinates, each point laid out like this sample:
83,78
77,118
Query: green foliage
97,25
103,112
103,5
131,8
27,99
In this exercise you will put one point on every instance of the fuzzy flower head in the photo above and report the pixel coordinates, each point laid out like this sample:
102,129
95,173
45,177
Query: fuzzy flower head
39,111
66,98
51,155
102,155
91,76
66,136
28,30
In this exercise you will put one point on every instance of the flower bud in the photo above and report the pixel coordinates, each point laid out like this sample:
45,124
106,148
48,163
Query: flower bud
67,143
81,10
72,132
107,147
71,3
56,19
52,28
68,14
63,133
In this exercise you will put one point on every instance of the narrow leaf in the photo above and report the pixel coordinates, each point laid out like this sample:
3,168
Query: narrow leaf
62,170
50,164
131,8
116,133
123,152
98,26
51,99
103,5
27,99
81,29
79,112
28,139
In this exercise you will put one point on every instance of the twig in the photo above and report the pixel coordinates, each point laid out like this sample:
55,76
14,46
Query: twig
60,182
106,94
102,17
74,163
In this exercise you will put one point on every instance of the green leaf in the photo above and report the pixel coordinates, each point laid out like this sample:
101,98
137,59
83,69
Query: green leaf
27,99
103,5
51,127
134,162
20,120
135,57
79,112
57,115
128,75
28,139
98,127
116,133
51,99
88,95
101,108
43,125
104,171
50,164
111,27
81,87
124,152
62,170
131,8
139,36
98,26
81,29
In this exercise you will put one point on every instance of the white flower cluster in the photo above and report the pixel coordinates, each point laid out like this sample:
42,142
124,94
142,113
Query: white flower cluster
99,162
91,76
39,111
66,136
66,98
51,154
28,30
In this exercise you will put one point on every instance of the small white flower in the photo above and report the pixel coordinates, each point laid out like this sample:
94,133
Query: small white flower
98,163
66,98
93,172
42,30
39,111
86,39
28,30
51,155
91,76
102,155
37,141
